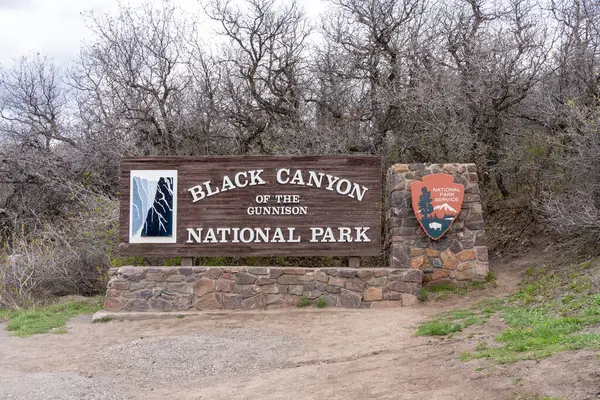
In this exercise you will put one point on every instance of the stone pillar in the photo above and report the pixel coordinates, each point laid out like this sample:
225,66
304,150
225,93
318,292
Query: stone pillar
461,255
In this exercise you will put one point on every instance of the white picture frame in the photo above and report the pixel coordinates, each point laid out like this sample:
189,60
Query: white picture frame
151,177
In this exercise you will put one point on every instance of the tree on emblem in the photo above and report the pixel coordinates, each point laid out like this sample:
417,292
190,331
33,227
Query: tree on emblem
425,206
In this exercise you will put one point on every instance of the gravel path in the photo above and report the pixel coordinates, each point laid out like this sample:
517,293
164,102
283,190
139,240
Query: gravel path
186,358
58,386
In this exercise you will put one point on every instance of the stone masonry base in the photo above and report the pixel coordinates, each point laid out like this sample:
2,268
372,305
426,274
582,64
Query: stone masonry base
169,289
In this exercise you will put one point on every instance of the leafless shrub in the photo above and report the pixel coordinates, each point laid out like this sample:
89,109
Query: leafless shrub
68,257
574,213
572,206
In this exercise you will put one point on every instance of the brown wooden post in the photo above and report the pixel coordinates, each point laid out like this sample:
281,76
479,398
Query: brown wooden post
354,262
187,261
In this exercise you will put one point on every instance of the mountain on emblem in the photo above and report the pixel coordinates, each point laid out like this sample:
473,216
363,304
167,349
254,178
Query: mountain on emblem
436,200
445,207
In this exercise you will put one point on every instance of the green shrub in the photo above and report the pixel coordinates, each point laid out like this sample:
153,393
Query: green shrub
321,302
303,302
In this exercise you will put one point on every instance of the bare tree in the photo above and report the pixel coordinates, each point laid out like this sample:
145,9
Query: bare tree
36,143
498,55
373,53
265,72
32,103
578,58
571,92
131,80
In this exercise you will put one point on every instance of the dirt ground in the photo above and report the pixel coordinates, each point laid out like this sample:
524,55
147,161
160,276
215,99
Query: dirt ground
300,354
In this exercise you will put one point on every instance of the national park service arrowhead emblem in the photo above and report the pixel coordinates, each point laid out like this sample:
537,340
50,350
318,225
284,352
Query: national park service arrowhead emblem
436,200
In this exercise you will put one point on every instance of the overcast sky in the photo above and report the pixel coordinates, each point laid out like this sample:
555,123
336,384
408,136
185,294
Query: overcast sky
57,28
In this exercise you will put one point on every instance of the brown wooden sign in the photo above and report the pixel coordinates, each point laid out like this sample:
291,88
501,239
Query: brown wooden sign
228,206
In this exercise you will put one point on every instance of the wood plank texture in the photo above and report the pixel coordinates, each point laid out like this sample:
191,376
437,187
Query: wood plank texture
326,208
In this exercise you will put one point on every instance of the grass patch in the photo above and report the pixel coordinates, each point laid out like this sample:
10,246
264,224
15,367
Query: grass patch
43,319
443,290
554,310
490,277
5,315
455,321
